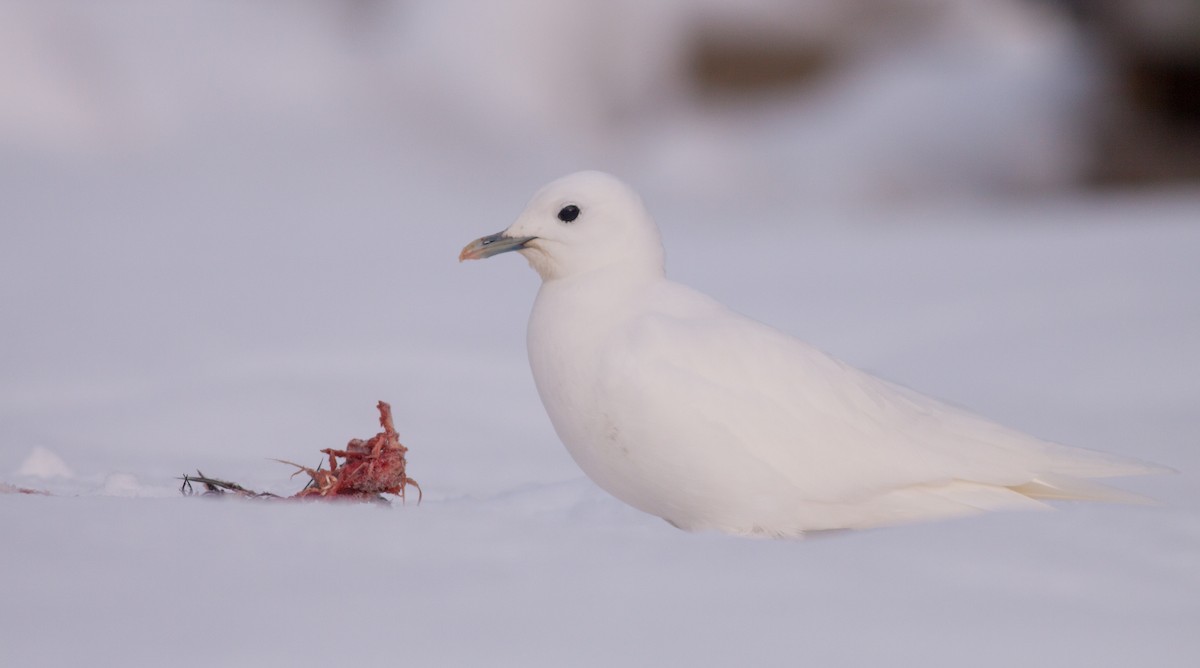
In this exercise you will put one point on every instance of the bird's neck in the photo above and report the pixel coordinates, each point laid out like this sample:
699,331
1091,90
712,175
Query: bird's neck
586,306
602,289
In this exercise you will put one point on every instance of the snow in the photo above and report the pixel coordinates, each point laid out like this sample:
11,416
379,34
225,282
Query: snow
1074,319
42,463
212,291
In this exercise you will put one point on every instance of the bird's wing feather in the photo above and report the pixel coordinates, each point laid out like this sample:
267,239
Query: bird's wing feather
833,431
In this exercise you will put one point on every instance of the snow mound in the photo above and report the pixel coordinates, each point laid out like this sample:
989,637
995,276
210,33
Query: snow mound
42,463
122,484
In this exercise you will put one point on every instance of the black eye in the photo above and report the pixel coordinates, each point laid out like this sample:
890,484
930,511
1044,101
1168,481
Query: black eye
568,213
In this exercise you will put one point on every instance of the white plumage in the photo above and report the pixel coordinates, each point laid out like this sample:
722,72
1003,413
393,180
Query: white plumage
711,420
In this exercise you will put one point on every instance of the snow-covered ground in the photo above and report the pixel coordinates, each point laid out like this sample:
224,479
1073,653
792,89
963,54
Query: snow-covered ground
244,291
158,321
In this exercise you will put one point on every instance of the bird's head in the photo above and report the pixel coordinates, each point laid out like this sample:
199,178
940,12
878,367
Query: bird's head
579,223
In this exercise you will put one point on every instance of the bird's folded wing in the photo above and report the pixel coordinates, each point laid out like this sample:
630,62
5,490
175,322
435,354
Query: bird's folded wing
727,386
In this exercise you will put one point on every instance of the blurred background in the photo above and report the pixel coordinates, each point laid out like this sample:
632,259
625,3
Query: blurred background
228,227
862,98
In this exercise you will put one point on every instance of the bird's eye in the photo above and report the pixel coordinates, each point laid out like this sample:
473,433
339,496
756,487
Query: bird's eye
568,213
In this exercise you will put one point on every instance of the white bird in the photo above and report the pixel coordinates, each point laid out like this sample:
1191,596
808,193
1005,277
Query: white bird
691,412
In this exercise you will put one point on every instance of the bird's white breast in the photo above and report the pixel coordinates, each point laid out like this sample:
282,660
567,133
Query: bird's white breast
572,324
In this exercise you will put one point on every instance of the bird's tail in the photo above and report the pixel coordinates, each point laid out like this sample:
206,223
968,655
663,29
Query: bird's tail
1050,487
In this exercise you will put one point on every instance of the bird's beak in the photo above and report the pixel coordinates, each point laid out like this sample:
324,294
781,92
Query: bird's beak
493,244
